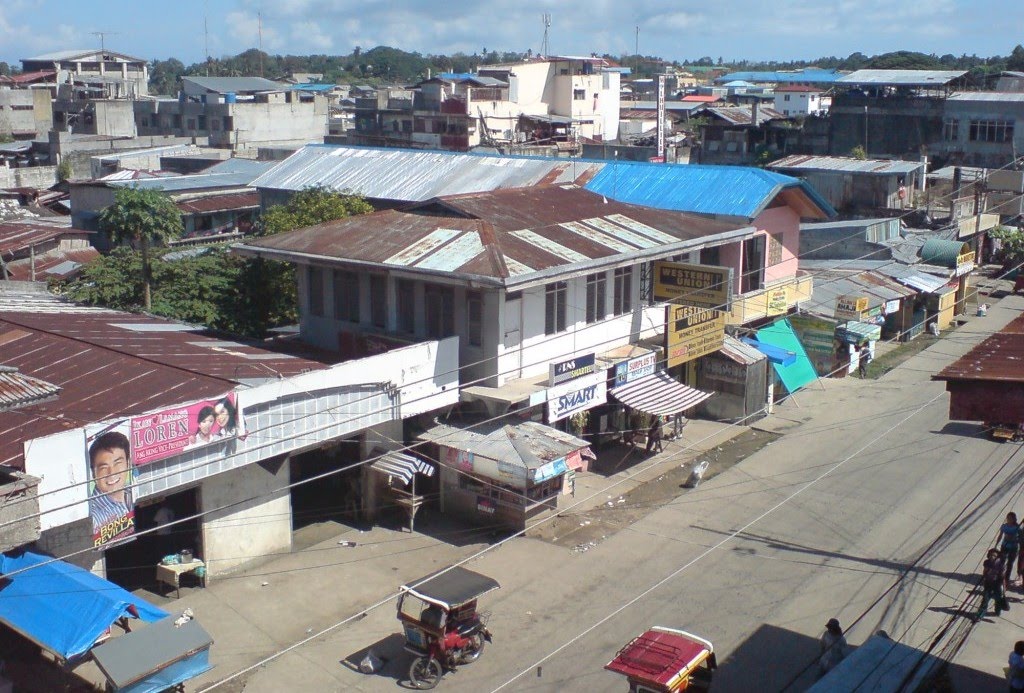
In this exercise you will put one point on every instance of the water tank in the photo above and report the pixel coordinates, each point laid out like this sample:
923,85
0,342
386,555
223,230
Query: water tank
230,97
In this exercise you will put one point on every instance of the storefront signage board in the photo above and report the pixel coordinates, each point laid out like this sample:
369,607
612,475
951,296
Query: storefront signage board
695,285
778,301
635,368
577,395
692,332
576,367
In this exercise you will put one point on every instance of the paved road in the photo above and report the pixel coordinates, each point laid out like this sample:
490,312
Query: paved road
869,480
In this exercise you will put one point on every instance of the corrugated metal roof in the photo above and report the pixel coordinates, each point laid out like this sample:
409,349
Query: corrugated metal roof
416,175
989,96
999,358
220,203
57,56
19,390
902,78
20,234
802,162
782,77
845,224
722,190
109,363
943,253
225,85
740,352
525,445
743,115
56,263
233,173
501,235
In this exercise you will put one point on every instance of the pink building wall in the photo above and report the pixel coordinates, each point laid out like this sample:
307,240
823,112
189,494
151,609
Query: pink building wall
782,220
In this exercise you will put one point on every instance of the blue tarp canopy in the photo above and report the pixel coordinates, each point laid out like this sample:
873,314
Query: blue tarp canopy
801,371
774,353
61,607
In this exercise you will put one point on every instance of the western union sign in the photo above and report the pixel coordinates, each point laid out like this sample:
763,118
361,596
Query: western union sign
696,285
692,332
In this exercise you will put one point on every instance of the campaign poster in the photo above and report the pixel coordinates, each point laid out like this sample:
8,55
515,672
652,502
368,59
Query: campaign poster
171,431
111,474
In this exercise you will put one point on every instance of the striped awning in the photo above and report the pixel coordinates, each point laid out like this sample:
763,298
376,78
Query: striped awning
659,394
401,465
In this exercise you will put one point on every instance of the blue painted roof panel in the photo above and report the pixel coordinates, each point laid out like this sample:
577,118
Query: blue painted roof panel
727,190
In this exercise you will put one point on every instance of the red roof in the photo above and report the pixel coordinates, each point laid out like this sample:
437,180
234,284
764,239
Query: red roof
28,77
697,98
659,656
221,203
20,235
51,265
997,358
798,87
109,363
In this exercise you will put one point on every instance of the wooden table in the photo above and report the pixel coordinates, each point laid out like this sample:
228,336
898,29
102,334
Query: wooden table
171,574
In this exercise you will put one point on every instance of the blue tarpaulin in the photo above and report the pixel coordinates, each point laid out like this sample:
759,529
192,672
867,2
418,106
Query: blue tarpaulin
774,354
794,376
60,606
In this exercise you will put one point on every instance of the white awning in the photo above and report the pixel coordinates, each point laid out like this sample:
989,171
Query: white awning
659,394
401,465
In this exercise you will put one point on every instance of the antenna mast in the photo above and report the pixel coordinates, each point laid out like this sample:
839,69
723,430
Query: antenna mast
206,45
102,34
259,24
546,18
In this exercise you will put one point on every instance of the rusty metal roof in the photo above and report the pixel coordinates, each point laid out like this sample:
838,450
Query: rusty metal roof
18,389
55,264
108,363
744,115
21,234
220,203
845,164
505,235
999,358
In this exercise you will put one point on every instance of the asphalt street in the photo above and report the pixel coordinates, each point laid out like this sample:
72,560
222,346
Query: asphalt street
872,508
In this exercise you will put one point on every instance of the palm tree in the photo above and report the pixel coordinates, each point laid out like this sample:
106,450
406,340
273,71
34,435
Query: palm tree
142,217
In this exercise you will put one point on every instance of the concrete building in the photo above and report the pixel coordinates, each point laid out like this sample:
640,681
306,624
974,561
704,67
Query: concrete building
132,74
538,102
290,418
982,128
237,113
849,183
796,100
25,113
735,134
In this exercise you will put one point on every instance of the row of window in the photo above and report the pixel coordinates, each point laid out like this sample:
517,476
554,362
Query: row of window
439,305
979,130
556,299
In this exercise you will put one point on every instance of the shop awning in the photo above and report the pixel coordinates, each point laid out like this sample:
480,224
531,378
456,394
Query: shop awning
155,658
399,464
858,332
61,607
797,374
783,357
659,394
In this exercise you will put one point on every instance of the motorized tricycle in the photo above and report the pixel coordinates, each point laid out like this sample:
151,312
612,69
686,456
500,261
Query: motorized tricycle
665,660
443,628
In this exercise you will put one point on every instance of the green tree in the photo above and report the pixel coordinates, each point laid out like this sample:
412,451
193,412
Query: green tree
1011,252
165,76
64,170
858,153
269,287
143,217
1016,60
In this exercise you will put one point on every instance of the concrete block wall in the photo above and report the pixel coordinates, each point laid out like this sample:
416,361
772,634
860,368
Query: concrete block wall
72,538
28,177
248,532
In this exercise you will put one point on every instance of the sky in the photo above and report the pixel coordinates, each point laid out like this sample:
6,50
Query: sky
731,29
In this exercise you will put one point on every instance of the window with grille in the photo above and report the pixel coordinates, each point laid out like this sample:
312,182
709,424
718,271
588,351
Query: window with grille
623,290
346,296
316,291
555,307
596,284
951,129
774,248
991,131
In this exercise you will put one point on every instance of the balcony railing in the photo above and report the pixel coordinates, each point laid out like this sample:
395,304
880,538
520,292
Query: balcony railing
766,302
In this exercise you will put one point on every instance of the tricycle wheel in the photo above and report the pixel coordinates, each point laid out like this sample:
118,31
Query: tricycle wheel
425,672
474,649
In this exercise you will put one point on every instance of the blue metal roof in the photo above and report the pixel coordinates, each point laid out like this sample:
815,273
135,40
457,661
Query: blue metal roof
783,77
312,87
735,191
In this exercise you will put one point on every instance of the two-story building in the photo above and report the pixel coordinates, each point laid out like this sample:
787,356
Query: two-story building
799,100
132,74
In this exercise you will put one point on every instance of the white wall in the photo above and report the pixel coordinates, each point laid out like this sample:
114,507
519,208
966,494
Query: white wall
260,525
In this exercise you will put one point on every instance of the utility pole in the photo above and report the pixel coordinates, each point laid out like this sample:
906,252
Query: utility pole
636,50
865,130
259,28
206,45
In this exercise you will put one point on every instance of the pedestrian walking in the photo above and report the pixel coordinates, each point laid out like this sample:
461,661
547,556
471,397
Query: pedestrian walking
1009,544
992,572
863,361
1016,668
654,435
833,647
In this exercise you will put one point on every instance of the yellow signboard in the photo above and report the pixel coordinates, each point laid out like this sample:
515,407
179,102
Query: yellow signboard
692,332
778,301
696,285
852,304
